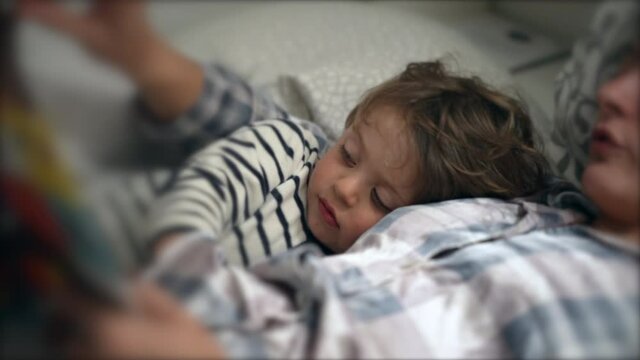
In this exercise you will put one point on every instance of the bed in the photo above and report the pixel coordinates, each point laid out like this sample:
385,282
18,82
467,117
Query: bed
316,59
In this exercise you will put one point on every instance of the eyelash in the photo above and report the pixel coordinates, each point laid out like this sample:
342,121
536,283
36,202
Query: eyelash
374,194
347,157
376,200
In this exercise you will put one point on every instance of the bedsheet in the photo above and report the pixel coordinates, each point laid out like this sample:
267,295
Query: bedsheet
463,278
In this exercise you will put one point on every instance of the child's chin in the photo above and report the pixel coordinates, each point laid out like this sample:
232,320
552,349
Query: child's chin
328,242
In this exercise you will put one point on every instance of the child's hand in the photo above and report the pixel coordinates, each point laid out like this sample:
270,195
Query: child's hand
116,31
157,328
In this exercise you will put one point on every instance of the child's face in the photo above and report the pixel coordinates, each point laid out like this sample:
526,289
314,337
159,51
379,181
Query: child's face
371,171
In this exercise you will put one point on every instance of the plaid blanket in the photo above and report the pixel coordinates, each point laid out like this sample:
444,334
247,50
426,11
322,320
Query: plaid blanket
458,279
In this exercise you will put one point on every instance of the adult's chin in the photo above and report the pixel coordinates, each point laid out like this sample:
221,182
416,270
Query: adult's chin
614,192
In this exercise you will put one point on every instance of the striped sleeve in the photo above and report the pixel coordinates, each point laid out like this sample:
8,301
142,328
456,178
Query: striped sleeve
226,103
227,181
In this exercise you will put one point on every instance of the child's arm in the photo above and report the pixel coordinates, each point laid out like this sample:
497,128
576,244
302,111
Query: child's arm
156,327
226,103
118,32
186,102
227,182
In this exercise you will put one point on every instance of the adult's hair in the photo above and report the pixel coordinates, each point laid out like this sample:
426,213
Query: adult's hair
473,140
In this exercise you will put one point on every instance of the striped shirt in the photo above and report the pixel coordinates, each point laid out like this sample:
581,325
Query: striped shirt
244,181
248,190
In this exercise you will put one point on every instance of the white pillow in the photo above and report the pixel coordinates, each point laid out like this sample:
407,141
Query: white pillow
289,38
330,92
317,58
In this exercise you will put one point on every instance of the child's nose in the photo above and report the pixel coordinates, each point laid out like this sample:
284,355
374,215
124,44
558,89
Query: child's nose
347,189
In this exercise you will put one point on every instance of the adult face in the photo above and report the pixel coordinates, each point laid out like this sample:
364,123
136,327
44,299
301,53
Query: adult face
612,176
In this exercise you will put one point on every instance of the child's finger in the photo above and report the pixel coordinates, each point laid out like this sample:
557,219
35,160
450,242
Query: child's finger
54,15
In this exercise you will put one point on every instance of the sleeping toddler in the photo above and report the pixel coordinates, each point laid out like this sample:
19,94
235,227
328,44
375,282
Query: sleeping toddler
265,181
423,136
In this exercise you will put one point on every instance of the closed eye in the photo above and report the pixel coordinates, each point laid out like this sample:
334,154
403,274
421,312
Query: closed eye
378,202
348,159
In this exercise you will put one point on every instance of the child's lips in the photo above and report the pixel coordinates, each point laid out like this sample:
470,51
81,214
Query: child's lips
327,213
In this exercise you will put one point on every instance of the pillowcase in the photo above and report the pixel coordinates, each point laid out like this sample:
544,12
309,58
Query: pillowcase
318,58
326,95
594,60
330,92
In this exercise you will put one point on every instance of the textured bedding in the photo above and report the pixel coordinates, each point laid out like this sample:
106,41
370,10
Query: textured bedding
436,281
409,287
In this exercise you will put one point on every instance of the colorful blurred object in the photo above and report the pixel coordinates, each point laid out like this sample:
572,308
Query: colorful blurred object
51,244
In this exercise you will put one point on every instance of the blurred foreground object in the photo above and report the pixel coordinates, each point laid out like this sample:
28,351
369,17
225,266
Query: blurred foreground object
51,245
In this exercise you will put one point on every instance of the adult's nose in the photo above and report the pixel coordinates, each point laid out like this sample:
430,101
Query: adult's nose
619,96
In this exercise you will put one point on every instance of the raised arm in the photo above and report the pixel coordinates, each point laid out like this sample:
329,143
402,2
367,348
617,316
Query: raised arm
184,100
225,183
119,33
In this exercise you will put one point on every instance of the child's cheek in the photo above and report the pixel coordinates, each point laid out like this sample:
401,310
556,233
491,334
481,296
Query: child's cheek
363,222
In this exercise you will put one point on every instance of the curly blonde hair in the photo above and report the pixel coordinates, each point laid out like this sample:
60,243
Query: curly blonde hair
473,141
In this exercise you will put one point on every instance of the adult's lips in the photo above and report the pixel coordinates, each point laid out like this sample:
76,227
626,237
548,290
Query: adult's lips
603,141
327,213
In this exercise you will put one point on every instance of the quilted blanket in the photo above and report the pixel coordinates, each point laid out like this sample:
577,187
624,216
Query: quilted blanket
463,278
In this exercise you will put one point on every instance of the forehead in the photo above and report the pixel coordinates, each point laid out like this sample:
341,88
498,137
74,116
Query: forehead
389,145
